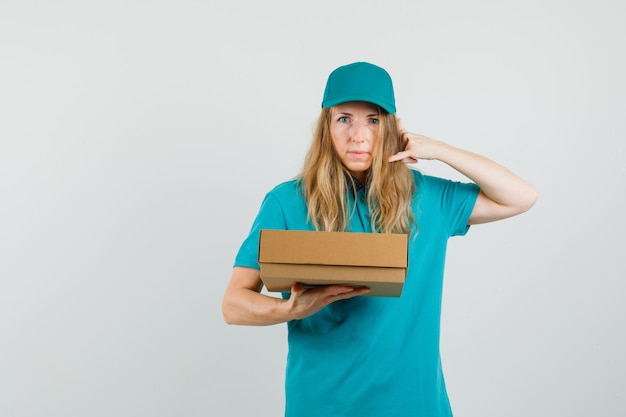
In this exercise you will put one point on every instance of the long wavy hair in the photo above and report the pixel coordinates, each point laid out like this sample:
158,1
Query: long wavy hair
326,182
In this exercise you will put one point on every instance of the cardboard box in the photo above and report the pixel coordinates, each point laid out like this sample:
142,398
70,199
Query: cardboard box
377,261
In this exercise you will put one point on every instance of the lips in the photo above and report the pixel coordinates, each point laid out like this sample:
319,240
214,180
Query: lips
358,154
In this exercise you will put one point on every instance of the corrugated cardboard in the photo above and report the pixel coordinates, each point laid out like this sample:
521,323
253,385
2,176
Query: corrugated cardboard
377,261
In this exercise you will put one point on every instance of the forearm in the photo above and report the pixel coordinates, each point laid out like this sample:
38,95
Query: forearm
248,307
495,181
243,302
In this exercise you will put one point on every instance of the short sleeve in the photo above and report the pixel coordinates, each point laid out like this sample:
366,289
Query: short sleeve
270,216
453,200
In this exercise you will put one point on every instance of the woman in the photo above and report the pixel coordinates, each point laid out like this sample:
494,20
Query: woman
369,356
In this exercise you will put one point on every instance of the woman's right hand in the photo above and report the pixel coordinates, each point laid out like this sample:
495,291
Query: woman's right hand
305,302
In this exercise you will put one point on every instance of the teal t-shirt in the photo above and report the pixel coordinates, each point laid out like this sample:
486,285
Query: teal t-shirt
372,356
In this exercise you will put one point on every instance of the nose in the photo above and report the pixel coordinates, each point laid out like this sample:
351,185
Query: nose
358,133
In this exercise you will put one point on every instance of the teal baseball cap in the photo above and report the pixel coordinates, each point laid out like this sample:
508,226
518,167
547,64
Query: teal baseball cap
360,81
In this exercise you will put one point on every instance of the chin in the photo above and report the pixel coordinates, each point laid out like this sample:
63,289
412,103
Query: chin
358,172
359,168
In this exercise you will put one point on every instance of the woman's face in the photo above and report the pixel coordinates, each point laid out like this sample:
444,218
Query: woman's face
354,131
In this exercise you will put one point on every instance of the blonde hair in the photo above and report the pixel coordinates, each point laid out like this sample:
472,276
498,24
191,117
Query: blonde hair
326,182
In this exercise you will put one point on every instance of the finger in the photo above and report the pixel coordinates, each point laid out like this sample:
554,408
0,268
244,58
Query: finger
403,156
407,160
334,290
359,291
345,293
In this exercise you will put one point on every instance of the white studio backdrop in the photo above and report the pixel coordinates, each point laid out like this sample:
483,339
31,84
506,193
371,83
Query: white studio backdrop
137,140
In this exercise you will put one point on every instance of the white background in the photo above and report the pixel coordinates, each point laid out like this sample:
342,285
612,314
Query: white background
137,140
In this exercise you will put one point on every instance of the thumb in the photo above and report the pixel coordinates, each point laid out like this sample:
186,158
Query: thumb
297,288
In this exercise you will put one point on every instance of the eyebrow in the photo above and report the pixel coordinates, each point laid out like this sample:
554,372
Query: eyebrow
345,113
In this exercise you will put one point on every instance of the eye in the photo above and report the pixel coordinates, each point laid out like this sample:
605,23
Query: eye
374,120
343,119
